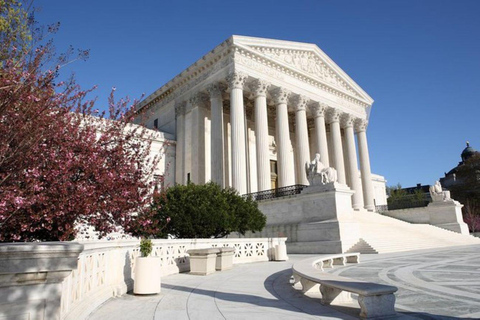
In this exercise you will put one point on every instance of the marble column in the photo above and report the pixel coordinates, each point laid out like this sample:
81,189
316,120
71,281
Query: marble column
301,135
180,145
286,176
259,89
367,185
216,134
321,132
198,103
351,162
236,81
338,164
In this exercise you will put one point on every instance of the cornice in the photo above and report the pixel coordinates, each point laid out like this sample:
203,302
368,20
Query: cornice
234,50
281,68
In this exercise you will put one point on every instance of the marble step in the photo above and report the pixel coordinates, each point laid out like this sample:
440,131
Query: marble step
385,234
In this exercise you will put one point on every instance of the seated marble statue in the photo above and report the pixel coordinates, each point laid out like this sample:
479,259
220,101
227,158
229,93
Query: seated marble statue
317,173
437,193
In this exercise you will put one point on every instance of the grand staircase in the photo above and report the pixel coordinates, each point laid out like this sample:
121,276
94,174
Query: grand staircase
381,234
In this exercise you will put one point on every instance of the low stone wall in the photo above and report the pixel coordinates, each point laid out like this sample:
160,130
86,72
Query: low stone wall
68,280
31,277
319,220
443,214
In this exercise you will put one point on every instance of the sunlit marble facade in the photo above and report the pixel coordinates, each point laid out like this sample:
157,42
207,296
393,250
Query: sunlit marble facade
252,112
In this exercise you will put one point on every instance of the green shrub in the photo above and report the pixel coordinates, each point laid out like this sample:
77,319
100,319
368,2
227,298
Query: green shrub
206,211
146,247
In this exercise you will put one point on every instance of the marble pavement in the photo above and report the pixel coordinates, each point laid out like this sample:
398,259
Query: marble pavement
433,284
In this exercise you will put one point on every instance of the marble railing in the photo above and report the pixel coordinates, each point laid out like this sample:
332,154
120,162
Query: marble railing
105,268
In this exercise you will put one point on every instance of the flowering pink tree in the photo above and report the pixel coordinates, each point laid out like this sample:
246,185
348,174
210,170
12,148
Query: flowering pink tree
62,163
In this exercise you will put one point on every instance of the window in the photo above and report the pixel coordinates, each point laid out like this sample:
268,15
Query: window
159,182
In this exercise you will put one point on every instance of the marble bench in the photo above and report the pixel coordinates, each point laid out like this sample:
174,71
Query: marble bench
375,300
207,260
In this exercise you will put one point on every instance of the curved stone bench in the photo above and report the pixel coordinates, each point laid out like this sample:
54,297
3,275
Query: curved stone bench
375,300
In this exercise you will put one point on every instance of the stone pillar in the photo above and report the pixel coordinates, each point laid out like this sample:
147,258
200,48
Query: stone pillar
180,146
367,185
286,175
321,132
198,104
301,135
334,120
259,89
32,277
236,80
216,134
351,163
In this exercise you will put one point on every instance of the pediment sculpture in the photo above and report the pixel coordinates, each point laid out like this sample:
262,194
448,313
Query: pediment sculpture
318,174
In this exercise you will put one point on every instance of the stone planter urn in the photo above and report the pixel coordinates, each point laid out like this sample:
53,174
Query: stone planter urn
147,270
147,278
281,252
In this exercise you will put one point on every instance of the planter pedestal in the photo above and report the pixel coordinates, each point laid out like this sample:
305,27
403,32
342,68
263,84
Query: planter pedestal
147,275
225,259
203,261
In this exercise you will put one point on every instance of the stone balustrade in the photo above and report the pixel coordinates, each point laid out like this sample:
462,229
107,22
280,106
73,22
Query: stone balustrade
60,281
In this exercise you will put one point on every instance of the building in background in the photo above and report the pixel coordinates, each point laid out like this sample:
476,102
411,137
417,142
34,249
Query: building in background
450,179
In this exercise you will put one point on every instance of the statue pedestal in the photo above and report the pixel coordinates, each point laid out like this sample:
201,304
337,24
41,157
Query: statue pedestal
319,220
447,214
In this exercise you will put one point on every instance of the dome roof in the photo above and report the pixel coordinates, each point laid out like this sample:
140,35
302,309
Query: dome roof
468,152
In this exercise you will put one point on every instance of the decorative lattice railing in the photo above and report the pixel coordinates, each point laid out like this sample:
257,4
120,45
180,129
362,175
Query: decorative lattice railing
106,268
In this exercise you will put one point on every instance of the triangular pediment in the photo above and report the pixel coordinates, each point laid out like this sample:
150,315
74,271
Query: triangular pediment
305,58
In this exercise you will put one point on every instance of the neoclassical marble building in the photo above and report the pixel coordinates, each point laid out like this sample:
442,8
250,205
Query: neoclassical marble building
252,112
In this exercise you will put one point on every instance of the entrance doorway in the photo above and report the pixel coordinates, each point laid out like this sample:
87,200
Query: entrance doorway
273,174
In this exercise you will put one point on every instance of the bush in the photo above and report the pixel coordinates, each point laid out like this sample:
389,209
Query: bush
146,247
206,211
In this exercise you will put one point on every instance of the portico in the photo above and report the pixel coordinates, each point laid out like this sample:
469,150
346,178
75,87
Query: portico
252,105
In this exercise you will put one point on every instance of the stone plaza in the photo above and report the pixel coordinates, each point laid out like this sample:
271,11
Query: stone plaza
433,284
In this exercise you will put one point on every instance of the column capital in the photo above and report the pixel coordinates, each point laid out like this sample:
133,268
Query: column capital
199,99
361,125
259,87
180,108
280,95
318,109
347,120
215,90
236,80
299,102
333,115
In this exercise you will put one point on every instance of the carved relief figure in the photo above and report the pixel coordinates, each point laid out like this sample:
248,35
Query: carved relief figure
317,173
437,193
